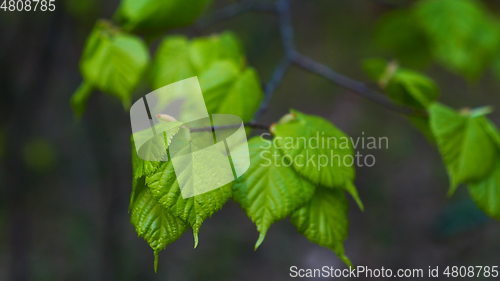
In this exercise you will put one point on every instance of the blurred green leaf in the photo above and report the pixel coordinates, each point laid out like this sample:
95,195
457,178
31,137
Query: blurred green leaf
157,16
270,190
206,50
228,85
496,66
112,62
171,62
486,192
323,220
155,224
410,88
302,136
463,36
403,86
398,32
468,150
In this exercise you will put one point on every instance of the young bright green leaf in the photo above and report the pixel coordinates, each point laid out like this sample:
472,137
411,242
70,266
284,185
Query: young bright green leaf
228,86
463,36
486,192
112,62
216,81
193,210
157,16
398,32
154,223
468,150
409,87
243,97
171,62
270,190
204,51
323,220
403,86
318,150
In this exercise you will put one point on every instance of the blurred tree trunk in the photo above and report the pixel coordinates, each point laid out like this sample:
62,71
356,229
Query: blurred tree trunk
21,116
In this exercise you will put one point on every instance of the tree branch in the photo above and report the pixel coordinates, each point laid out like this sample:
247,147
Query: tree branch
282,9
272,85
356,87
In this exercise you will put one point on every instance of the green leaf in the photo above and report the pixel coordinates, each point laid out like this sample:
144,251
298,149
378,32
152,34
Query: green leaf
243,97
216,81
496,66
463,36
468,150
152,222
404,86
171,62
204,51
486,192
270,190
228,86
140,167
80,97
324,221
113,62
318,150
157,16
193,210
410,88
398,32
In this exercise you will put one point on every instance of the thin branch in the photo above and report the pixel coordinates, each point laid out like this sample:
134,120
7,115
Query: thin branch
272,85
286,33
355,86
282,9
310,65
285,26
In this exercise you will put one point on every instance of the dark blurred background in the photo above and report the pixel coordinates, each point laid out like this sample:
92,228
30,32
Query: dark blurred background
65,182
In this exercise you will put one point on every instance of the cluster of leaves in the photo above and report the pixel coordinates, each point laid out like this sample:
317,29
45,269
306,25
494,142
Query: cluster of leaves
274,187
459,34
228,85
115,61
468,142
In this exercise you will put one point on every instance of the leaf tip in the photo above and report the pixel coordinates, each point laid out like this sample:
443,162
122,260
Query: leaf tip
346,260
351,189
262,235
195,238
452,189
